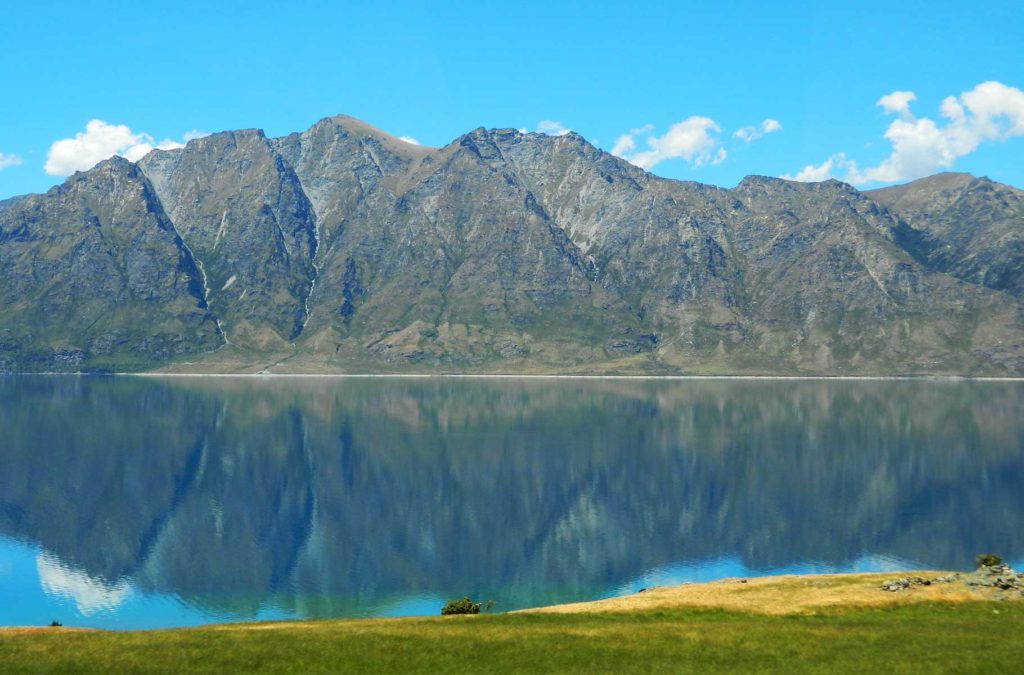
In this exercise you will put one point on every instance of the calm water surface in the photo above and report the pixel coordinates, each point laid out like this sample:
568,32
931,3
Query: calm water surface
136,502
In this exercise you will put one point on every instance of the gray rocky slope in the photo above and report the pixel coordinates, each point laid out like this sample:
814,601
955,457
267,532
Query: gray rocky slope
970,227
345,249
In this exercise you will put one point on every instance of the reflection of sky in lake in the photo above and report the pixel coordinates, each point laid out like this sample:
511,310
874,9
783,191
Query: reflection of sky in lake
37,589
89,595
144,503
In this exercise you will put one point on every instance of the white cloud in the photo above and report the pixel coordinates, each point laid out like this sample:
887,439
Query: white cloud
754,132
625,144
409,139
692,140
9,161
827,169
552,128
101,141
990,112
897,102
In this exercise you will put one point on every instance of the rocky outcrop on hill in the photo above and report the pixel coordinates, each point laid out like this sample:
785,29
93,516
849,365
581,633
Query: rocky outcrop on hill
998,581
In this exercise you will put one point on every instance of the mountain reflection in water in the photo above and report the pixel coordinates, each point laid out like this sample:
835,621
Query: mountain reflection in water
242,498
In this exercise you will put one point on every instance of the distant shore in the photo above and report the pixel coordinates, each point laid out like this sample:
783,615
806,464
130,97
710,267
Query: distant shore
534,376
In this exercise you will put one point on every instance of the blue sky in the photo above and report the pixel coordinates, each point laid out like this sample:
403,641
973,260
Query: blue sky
687,76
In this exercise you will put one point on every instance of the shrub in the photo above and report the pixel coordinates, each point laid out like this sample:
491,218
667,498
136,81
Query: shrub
463,606
989,560
55,624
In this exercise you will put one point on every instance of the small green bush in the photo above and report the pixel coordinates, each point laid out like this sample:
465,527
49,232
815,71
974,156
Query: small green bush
989,560
463,606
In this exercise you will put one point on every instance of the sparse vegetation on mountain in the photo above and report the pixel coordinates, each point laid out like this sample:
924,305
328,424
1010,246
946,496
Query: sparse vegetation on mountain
344,249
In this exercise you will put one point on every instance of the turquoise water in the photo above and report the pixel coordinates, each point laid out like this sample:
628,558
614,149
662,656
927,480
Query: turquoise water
142,502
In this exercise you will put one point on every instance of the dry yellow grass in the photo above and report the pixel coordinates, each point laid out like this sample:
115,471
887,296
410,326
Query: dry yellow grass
793,594
13,631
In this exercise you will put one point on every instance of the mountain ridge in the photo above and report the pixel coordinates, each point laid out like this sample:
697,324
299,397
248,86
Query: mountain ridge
344,249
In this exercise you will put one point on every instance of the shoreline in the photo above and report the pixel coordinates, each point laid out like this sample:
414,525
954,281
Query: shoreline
534,376
908,631
783,595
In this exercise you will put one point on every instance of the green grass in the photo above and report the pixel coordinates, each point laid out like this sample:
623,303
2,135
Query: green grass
972,637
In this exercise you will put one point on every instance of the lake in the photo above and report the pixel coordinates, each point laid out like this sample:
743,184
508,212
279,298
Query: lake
137,502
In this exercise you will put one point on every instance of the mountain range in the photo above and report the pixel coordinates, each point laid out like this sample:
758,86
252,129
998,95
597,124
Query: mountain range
344,249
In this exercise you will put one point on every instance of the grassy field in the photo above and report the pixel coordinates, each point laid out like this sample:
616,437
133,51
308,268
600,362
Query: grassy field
921,637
